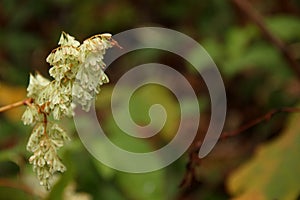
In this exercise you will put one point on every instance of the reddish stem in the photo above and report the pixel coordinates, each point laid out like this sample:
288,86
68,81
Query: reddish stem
16,104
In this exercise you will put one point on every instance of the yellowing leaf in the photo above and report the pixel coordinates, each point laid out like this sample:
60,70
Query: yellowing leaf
12,94
274,171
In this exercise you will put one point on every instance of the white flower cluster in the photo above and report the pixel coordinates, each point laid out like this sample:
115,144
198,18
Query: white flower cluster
91,74
44,148
78,72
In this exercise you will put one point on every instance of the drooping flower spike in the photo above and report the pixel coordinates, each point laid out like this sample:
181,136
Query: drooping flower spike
78,72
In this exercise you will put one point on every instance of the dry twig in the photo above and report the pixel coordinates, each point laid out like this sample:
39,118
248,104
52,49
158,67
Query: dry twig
16,104
246,8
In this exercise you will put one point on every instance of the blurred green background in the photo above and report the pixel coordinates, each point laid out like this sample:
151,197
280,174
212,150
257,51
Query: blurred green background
256,77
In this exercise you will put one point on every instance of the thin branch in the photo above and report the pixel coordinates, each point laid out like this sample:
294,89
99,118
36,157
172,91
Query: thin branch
257,19
189,180
257,121
16,104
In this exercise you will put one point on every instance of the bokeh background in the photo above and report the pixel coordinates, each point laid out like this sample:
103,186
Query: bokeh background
259,163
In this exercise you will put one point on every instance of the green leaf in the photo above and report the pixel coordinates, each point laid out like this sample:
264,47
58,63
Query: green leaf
285,27
274,171
140,103
8,155
214,48
145,186
238,39
261,56
105,171
14,194
59,188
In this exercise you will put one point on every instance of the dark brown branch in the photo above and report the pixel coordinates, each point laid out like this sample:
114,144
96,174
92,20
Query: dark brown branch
257,121
257,19
17,104
190,179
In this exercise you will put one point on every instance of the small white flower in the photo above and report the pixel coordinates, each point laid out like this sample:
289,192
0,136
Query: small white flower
63,55
41,162
58,71
36,83
34,140
66,39
31,115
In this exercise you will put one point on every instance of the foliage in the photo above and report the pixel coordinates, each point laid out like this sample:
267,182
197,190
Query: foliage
255,74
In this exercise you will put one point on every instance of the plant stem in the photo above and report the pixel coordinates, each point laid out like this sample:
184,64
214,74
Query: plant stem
16,104
247,9
258,120
189,180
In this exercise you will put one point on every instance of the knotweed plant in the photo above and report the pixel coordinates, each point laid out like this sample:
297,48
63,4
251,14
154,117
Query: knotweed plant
78,72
